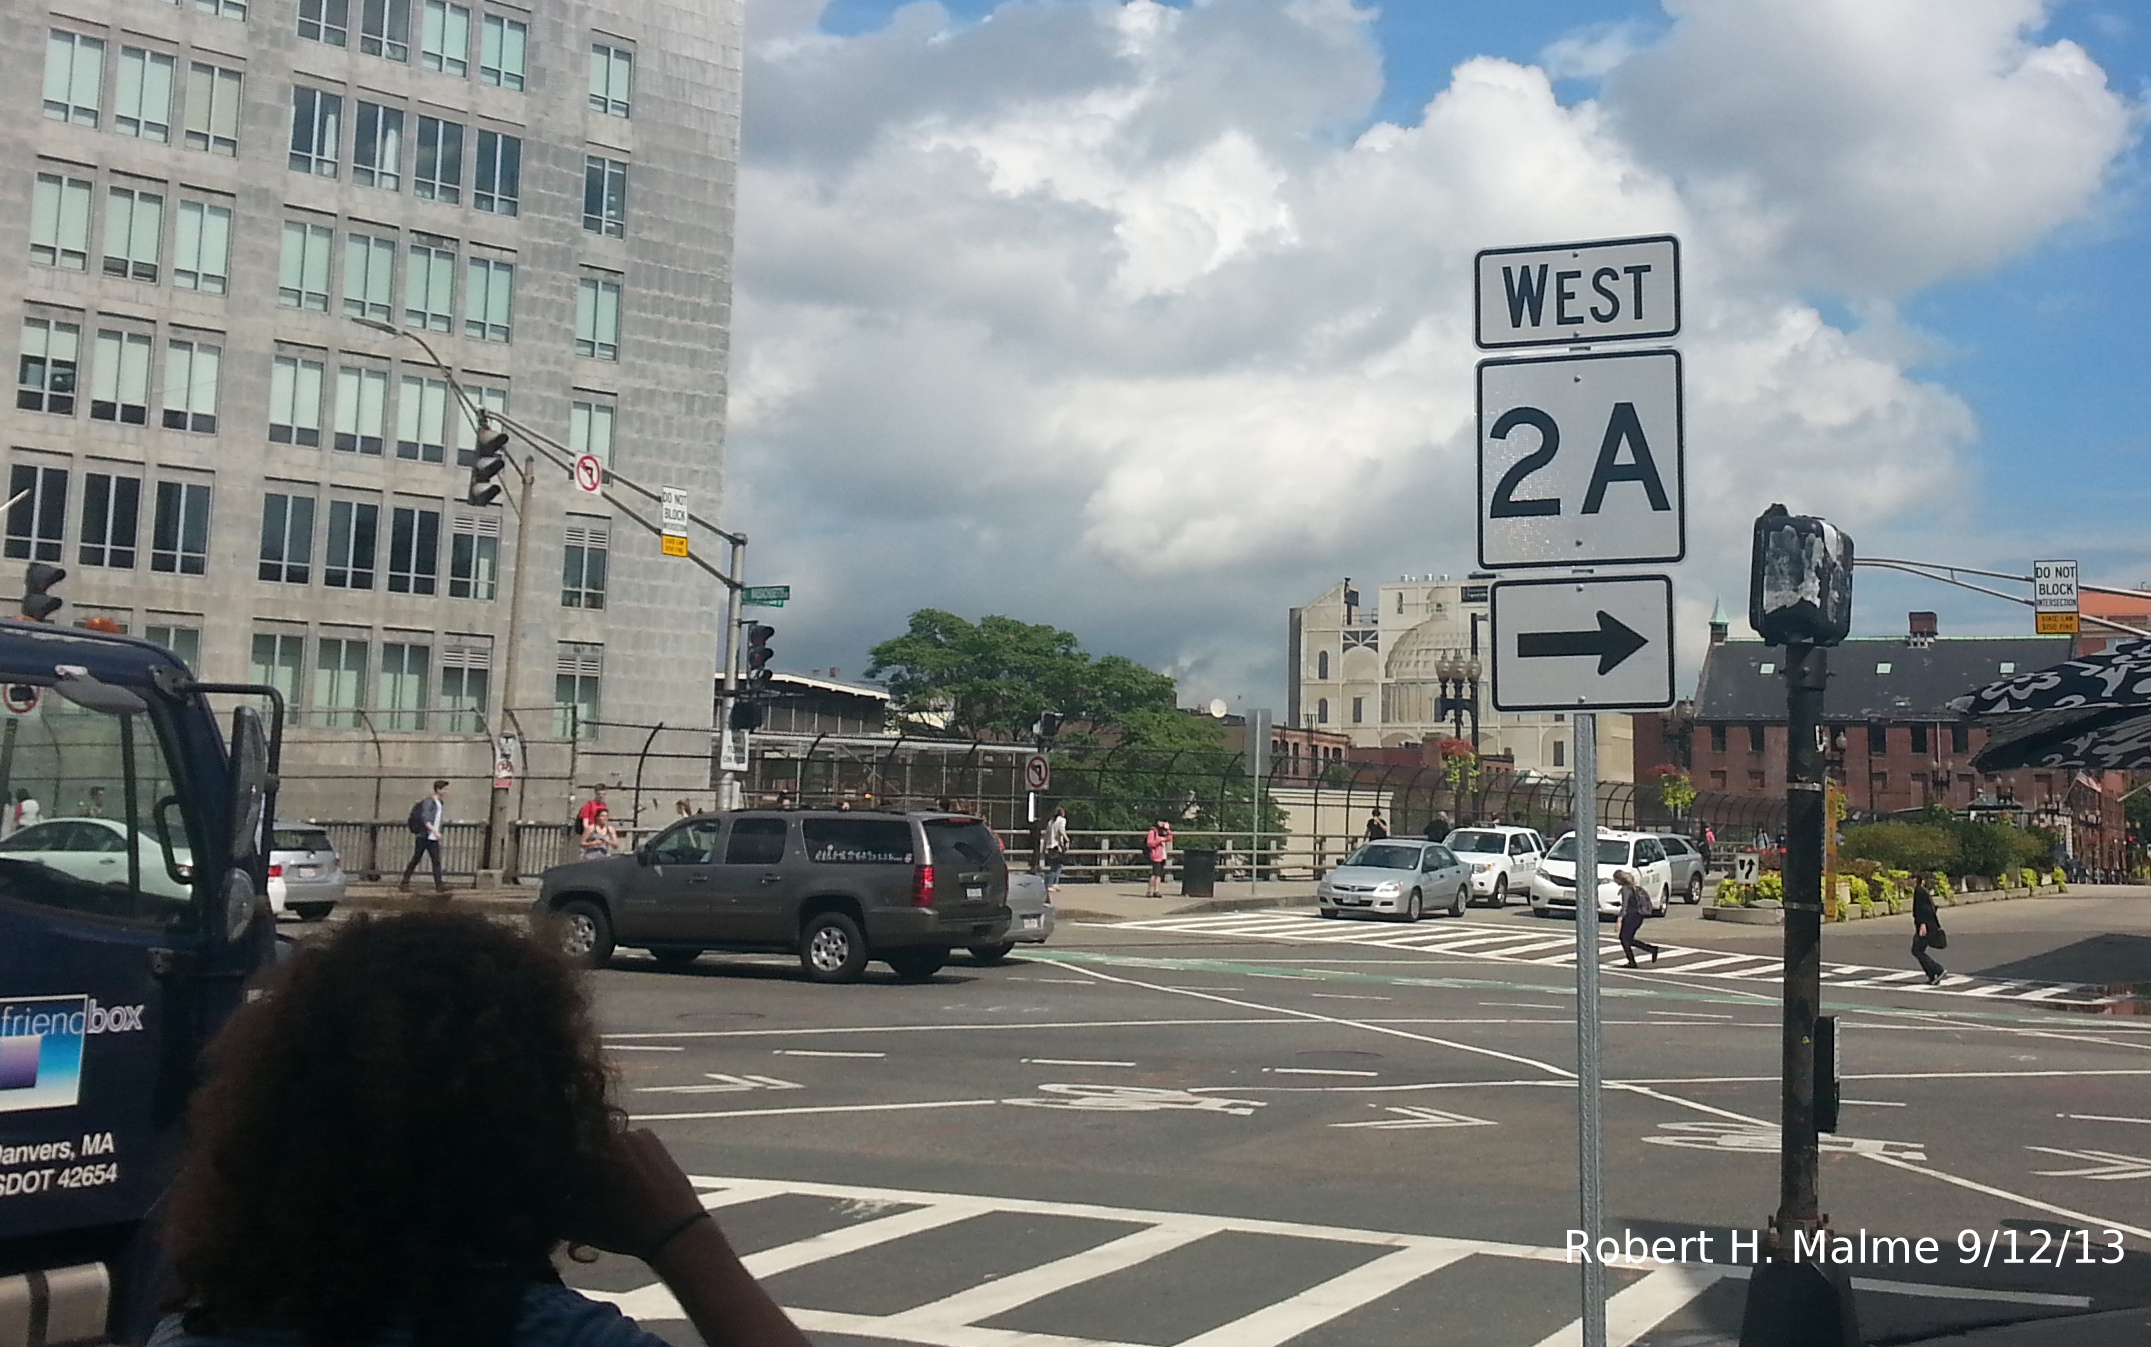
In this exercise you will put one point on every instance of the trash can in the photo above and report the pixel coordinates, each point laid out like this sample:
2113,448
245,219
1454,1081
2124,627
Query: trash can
1198,872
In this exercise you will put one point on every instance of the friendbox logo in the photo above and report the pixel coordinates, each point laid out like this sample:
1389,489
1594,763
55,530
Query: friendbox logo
41,1047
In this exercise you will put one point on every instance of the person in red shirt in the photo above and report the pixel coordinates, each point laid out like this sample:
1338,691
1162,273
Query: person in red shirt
592,807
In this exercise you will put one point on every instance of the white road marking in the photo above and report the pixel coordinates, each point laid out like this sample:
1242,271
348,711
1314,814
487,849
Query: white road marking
1689,1014
1642,1305
1135,1099
1069,1061
1313,1071
726,1084
1012,1292
1522,1005
1412,1118
2100,1117
1059,982
2104,1165
851,1239
1340,996
944,1028
641,1047
819,1108
1324,1301
1875,1103
817,1052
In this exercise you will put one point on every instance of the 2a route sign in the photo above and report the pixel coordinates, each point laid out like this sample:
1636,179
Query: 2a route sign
2054,598
1574,293
1581,460
1595,644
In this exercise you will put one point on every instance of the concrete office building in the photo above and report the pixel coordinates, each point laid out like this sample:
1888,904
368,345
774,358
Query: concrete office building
201,198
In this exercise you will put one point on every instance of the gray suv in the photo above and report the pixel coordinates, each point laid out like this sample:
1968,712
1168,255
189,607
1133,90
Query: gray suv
837,887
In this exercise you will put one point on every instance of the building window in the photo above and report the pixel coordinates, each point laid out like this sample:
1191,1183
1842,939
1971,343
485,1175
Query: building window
612,79
1960,738
1359,710
37,522
295,401
377,147
1919,739
303,271
179,532
474,558
465,672
134,233
406,672
212,111
325,21
369,277
576,671
185,642
590,430
60,222
582,568
498,186
1560,753
1322,711
45,380
354,533
111,520
429,284
192,370
1717,781
142,106
597,319
316,128
1756,738
445,41
489,299
490,399
421,411
339,679
74,77
500,61
119,378
278,660
202,247
1717,738
287,538
1758,782
385,28
361,410
605,196
438,175
1322,665
1877,783
414,550
1878,740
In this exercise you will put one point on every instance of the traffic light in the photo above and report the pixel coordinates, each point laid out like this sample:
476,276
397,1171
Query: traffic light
759,655
745,716
490,461
1048,724
37,604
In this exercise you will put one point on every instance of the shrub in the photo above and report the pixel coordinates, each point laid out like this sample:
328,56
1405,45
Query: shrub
1901,846
2029,876
1939,882
1769,887
1732,893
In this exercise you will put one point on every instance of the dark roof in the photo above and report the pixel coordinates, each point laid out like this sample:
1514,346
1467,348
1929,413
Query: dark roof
1920,684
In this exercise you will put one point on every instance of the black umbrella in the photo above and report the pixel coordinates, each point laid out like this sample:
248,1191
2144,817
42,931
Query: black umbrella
2090,714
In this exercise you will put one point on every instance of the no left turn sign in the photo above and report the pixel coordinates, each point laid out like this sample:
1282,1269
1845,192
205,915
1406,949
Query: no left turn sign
1037,772
589,474
20,698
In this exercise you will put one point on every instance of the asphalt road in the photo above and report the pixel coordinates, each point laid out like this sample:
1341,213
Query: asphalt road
1260,1128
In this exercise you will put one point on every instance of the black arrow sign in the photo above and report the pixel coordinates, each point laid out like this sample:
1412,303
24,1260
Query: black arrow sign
1613,642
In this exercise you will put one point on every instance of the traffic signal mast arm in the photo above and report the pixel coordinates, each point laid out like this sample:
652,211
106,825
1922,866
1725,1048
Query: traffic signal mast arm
1934,570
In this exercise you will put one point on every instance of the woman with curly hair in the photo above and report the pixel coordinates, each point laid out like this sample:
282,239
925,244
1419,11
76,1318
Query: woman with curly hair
395,1140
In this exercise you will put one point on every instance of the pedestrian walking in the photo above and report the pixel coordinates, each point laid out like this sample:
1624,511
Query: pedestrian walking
1158,846
1056,847
1635,909
683,809
454,1063
425,822
598,839
94,806
25,813
1710,846
1437,827
1927,931
590,808
1377,829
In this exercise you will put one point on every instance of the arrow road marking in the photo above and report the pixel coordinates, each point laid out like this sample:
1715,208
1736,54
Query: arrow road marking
2104,1165
1411,1117
1613,642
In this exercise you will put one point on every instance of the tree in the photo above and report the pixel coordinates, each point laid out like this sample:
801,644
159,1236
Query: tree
993,678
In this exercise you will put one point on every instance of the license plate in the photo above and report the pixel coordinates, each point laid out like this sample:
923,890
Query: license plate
975,892
309,871
1033,923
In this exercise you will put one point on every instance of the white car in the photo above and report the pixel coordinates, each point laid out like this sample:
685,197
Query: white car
1502,860
1553,892
1400,878
95,849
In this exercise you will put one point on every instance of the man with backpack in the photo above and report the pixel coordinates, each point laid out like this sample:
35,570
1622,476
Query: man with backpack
425,822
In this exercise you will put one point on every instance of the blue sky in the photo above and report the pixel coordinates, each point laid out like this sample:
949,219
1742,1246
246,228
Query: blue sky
2013,376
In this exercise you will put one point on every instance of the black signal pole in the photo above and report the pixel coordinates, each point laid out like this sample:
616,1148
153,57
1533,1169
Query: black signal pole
1799,1197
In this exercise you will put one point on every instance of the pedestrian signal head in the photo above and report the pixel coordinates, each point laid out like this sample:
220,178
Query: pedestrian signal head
37,604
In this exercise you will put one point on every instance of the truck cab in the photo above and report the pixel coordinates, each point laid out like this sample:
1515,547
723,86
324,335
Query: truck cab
132,875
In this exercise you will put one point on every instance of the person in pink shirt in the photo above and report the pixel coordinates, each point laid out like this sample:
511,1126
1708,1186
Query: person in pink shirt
1158,845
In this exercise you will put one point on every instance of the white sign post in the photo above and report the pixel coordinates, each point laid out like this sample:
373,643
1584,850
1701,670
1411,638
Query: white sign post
2054,598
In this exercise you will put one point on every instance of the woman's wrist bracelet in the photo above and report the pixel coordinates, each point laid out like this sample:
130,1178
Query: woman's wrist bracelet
670,1235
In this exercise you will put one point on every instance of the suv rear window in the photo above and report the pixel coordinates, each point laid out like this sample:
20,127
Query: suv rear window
301,839
962,841
857,841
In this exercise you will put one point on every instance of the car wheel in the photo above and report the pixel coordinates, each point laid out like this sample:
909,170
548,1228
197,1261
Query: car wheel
1412,911
1695,889
1463,897
585,933
312,911
674,956
917,965
1501,891
832,948
991,953
1665,901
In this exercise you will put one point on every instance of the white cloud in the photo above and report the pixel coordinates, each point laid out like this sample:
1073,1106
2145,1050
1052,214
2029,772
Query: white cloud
1098,314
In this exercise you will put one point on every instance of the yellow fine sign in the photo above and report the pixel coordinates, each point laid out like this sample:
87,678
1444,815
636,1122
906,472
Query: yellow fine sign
2050,624
676,546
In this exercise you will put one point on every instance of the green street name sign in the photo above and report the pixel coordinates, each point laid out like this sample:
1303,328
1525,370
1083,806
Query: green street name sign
766,596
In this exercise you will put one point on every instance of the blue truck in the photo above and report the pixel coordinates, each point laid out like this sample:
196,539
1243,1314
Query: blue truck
133,871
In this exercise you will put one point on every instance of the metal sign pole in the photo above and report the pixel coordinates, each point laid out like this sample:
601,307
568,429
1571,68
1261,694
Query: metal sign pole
1588,1121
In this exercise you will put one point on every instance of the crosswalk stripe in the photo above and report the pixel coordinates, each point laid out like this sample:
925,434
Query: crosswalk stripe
938,1335
1641,1306
1318,1304
1008,1293
852,1238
